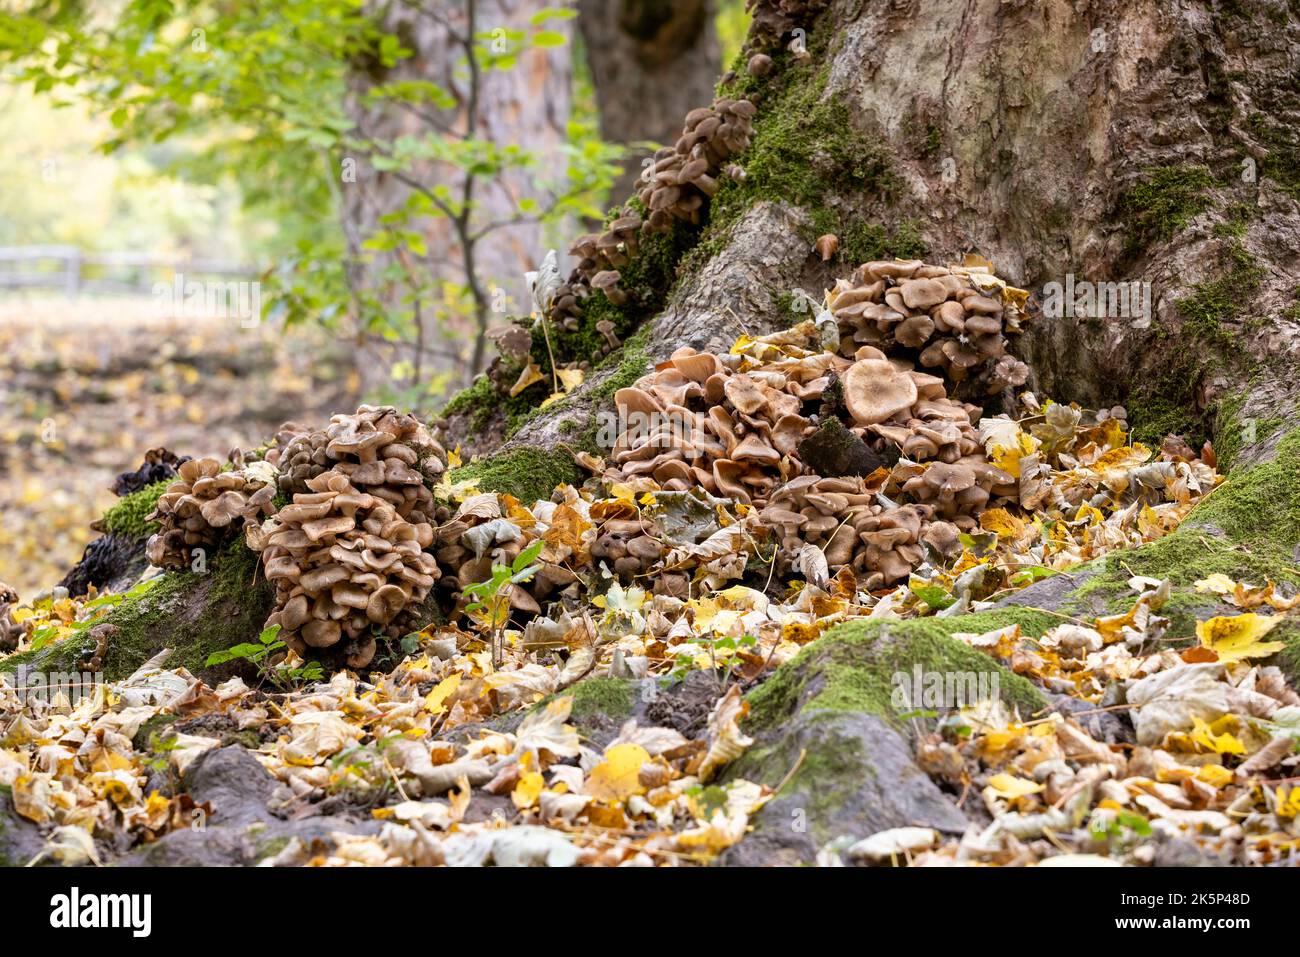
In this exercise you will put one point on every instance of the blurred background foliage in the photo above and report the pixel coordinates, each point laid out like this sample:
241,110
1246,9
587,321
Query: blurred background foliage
225,129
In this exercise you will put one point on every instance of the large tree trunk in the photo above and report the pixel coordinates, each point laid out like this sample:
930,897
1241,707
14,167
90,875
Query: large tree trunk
1145,142
652,63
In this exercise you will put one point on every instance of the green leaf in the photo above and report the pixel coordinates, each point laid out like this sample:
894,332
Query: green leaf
241,651
553,13
528,555
549,38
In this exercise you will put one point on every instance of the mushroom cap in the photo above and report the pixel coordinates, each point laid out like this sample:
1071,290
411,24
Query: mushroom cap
826,246
875,391
385,604
222,510
195,469
744,393
696,366
914,331
947,480
331,525
321,577
295,613
321,633
754,449
361,652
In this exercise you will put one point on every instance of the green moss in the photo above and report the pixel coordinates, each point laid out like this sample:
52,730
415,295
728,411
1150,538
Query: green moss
1166,404
193,614
269,848
1154,414
1282,162
528,474
235,602
647,282
156,725
852,666
1288,632
804,151
1215,301
1166,200
476,400
862,242
611,697
1229,429
127,516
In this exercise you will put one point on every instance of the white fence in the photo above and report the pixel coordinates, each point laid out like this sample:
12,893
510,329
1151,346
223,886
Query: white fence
75,271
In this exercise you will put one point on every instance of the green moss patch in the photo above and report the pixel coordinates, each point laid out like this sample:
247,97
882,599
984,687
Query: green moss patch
526,473
804,151
530,474
193,614
1165,200
612,697
1216,301
851,668
127,517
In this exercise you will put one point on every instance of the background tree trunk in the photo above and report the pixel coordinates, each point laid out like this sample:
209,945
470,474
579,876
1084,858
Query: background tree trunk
527,106
652,63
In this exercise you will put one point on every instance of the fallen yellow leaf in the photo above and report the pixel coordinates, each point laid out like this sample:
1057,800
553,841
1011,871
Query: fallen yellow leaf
1236,637
616,778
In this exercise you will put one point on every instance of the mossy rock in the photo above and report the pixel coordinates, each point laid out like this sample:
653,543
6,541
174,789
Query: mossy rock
827,725
192,614
851,668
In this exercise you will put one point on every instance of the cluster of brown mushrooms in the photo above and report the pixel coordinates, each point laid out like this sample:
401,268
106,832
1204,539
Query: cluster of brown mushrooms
852,524
599,257
675,186
772,20
11,632
682,178
348,568
752,426
952,318
381,451
205,507
479,536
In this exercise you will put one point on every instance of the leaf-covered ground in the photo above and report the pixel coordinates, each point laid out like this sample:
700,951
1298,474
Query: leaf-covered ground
604,735
87,385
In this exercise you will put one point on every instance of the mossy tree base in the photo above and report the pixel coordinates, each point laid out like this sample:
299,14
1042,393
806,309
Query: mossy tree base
192,614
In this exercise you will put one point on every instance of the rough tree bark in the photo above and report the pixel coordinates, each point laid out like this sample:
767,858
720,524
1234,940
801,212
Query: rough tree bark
1146,142
1143,142
651,63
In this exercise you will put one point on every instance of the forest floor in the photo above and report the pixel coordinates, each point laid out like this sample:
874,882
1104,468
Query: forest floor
87,386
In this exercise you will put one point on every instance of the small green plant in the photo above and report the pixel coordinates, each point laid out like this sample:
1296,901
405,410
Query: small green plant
159,748
1120,830
492,610
260,654
684,663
